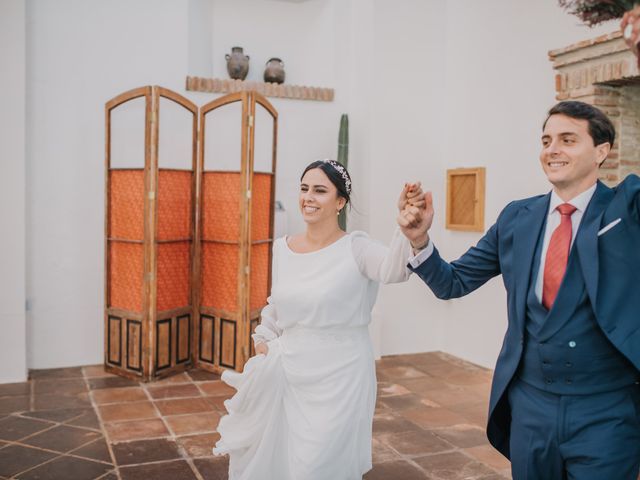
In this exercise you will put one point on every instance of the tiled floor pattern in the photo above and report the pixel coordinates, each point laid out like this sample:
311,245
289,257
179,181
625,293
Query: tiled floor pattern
84,424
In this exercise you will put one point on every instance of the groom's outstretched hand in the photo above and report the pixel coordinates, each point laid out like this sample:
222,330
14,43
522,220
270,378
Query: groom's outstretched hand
415,214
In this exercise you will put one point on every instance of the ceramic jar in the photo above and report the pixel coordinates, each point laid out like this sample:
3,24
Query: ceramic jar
274,71
237,64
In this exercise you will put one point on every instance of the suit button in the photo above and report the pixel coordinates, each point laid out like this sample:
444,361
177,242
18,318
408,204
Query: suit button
545,362
568,381
549,381
572,344
568,364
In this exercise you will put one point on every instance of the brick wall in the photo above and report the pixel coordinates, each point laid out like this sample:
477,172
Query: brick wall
603,72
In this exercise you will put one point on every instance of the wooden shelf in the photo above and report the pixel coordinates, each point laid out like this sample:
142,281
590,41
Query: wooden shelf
227,85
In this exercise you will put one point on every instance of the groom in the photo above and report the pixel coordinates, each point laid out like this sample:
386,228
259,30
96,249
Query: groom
565,398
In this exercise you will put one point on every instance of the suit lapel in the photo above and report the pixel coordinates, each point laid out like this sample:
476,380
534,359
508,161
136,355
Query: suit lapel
587,238
525,237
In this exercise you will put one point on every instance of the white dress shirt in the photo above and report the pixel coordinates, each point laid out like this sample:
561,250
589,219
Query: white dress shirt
553,220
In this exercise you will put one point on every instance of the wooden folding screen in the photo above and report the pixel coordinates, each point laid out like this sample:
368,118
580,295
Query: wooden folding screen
187,250
235,235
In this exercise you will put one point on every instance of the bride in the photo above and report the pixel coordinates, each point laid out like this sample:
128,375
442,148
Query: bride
304,404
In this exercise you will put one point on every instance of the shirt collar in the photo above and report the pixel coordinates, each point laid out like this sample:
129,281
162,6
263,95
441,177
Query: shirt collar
580,201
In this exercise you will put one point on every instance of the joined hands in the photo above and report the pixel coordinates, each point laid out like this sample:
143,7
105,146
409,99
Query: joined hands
415,215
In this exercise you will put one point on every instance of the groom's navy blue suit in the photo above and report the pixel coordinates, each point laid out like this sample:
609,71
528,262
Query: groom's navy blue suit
588,344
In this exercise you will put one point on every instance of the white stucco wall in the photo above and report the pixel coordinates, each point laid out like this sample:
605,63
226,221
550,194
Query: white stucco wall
13,367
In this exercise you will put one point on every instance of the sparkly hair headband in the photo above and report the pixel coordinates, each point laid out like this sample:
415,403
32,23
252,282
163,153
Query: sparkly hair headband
343,173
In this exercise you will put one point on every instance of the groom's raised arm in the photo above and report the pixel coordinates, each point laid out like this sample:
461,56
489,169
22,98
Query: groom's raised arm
447,280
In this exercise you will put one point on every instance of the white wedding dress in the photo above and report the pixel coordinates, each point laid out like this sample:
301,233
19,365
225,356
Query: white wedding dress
304,411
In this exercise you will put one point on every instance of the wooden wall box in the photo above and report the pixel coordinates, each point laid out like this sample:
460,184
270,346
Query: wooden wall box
465,199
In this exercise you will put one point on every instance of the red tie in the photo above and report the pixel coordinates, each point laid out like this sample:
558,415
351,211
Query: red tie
557,254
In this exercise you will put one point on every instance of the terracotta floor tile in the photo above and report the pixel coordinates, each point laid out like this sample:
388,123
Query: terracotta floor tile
395,470
466,378
96,450
489,456
92,371
195,423
386,389
392,423
429,418
145,451
198,375
174,391
403,371
404,402
14,404
15,389
416,443
463,436
174,379
390,361
476,413
217,389
217,403
67,468
50,373
382,453
214,468
450,396
15,459
118,395
424,385
427,359
111,382
119,412
53,401
136,430
14,428
453,466
62,438
176,470
61,415
199,445
59,386
88,420
183,405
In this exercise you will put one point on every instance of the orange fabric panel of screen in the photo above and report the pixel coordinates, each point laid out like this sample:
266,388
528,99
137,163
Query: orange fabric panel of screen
174,223
126,222
220,223
126,204
174,204
261,206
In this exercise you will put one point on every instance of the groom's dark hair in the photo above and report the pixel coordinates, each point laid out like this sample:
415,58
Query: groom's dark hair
600,127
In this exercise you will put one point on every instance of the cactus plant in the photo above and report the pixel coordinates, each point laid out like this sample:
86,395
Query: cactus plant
343,158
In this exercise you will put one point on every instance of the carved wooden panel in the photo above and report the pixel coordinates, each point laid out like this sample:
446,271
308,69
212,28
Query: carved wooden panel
228,343
207,329
114,340
134,345
163,344
183,338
